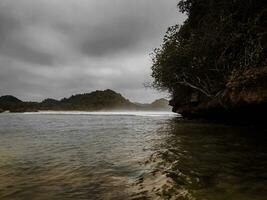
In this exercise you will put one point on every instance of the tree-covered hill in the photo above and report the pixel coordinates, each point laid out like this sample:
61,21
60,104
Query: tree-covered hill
97,100
160,104
221,42
8,99
8,102
94,101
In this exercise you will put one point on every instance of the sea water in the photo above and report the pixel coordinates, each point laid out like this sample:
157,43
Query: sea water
128,155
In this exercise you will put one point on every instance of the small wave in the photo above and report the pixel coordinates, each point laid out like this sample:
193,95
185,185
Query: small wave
108,113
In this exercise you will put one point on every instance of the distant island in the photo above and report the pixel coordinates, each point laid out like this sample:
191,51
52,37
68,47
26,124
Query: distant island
94,101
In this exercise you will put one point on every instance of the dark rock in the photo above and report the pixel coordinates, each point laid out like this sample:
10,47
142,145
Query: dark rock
244,100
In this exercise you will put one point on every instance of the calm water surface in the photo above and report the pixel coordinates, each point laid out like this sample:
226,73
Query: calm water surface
128,156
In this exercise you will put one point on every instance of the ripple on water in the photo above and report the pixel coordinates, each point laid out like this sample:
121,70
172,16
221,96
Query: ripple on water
82,156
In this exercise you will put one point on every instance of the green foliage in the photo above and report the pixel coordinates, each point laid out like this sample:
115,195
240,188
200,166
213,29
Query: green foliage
14,104
8,101
97,100
94,101
218,37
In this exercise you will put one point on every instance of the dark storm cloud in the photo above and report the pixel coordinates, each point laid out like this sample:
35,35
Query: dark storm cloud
58,47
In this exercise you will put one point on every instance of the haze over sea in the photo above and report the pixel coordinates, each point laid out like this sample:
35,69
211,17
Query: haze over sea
128,155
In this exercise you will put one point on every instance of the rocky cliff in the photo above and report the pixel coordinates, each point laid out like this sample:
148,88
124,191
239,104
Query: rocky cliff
243,100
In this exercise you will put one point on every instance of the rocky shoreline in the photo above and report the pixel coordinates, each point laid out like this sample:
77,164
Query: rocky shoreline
243,100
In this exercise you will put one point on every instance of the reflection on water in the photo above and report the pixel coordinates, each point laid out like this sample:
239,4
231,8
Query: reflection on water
209,161
83,156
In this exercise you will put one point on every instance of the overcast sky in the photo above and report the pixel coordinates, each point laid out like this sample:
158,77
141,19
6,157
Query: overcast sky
56,48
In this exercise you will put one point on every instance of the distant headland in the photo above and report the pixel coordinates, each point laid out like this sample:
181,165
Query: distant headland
94,101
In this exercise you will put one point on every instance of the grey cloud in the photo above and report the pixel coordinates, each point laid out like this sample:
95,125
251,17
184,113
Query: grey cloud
20,51
93,27
7,25
57,48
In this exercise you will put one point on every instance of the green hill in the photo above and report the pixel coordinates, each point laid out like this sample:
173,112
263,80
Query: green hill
8,99
161,104
94,101
157,105
8,102
98,100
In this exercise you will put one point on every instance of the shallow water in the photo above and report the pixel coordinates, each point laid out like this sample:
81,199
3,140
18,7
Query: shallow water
120,155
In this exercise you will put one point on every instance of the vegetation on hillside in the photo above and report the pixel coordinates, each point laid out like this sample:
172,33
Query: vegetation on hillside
219,41
94,101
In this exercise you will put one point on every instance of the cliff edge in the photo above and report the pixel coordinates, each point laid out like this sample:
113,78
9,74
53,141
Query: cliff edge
243,100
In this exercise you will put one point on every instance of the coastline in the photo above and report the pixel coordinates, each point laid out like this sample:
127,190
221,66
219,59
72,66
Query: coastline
244,100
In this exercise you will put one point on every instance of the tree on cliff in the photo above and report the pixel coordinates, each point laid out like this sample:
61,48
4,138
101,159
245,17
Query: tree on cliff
219,38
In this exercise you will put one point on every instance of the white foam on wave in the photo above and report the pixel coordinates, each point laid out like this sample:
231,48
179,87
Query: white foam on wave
106,113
